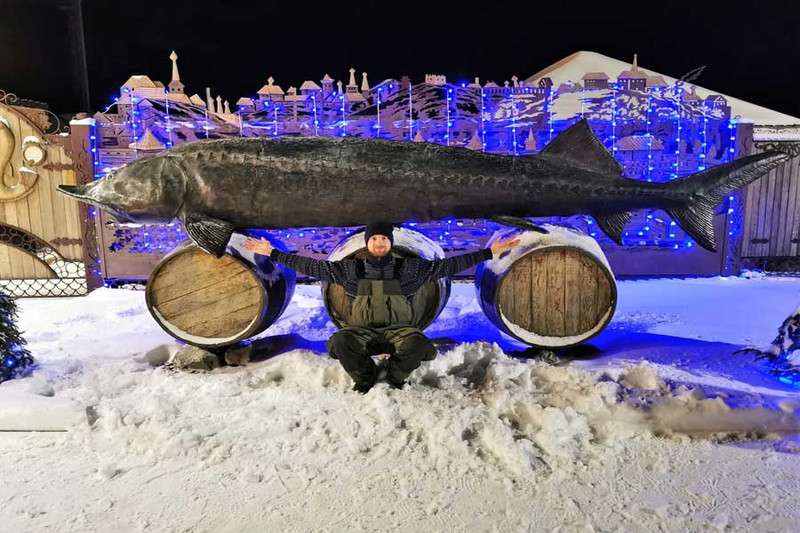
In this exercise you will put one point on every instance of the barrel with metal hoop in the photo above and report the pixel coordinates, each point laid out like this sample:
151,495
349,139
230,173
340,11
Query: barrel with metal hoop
427,303
210,302
552,290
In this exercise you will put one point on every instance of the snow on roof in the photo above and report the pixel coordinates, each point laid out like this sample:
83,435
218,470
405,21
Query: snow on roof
569,86
632,74
270,89
179,97
578,64
656,81
475,142
354,97
147,142
139,80
309,85
593,76
245,101
196,100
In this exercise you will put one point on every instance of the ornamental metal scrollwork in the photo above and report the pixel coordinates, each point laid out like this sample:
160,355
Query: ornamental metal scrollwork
68,277
38,248
13,184
44,119
791,148
8,98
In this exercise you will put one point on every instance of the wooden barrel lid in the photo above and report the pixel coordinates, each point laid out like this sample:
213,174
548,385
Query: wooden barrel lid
195,295
557,292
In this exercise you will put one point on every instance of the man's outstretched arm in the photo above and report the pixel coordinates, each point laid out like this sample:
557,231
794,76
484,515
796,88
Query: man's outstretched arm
424,271
323,270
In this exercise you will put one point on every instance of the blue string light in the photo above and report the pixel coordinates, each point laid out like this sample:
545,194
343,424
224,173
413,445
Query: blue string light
678,129
514,123
483,120
662,108
614,117
550,112
91,210
410,114
447,127
731,216
344,120
704,139
169,126
205,124
134,113
316,121
378,122
649,123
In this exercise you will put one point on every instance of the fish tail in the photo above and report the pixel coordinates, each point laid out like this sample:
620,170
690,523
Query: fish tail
705,190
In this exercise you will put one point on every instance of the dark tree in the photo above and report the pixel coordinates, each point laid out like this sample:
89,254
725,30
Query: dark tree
14,358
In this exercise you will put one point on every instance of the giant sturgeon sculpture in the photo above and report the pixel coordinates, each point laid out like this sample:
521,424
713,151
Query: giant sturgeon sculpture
218,186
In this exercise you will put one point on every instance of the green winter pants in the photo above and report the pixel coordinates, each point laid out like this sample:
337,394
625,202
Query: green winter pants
353,346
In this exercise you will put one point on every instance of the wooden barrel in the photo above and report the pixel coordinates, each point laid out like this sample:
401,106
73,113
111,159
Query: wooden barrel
427,302
210,302
553,291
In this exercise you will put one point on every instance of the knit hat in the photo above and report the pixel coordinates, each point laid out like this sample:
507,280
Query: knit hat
379,228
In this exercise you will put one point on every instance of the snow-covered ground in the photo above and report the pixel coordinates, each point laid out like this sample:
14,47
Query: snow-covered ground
662,429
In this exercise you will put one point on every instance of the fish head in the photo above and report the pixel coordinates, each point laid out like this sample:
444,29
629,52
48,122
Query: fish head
146,191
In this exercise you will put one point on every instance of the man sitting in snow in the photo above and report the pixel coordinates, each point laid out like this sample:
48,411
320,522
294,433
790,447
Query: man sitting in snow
380,288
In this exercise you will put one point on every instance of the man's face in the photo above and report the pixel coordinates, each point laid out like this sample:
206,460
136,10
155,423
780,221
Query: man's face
379,245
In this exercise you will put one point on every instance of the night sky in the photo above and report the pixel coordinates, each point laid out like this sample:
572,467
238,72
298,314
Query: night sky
232,46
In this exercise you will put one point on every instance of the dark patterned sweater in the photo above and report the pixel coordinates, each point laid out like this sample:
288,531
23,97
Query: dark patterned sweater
413,272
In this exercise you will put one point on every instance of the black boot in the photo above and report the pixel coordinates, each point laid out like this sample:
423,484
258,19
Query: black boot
363,387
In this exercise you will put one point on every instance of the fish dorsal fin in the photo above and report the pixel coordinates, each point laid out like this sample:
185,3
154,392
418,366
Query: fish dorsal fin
580,146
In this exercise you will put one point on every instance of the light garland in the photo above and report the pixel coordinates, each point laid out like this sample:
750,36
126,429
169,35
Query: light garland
660,167
344,121
447,127
169,125
316,121
513,123
483,120
410,114
649,123
614,117
378,120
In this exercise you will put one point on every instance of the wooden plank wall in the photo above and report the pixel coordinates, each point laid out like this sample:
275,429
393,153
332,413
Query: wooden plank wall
771,226
44,212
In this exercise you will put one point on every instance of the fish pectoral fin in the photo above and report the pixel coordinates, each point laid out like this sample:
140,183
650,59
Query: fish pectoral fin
210,234
579,146
518,222
613,224
697,220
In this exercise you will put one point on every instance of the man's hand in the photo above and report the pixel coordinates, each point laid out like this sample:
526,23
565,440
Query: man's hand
262,247
501,246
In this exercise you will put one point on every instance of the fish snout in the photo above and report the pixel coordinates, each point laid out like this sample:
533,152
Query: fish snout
73,191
